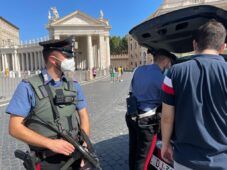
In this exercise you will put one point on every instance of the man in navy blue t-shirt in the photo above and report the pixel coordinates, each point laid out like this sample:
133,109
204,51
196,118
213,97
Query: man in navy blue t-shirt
195,105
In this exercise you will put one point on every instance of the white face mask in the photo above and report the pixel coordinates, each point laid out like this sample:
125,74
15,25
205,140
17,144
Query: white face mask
68,65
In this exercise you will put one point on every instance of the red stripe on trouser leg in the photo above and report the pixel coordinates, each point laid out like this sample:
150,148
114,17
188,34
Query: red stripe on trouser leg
151,150
38,166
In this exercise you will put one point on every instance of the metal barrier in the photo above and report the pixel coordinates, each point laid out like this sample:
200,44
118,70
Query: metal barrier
8,84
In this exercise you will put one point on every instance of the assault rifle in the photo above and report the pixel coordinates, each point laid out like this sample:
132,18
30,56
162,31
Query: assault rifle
89,156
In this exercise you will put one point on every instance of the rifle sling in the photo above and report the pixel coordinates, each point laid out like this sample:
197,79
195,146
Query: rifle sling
56,114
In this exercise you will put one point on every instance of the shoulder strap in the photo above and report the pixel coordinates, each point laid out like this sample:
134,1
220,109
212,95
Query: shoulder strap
56,114
37,84
69,85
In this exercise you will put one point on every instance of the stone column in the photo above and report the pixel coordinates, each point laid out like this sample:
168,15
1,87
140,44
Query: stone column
23,61
32,61
35,60
27,61
6,62
42,61
39,60
90,53
107,52
13,61
56,37
16,61
3,60
1,63
101,52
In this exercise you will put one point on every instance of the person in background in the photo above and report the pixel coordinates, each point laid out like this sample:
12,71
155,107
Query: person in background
194,110
94,72
146,89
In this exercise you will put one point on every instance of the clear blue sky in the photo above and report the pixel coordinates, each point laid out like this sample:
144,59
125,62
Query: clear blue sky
31,15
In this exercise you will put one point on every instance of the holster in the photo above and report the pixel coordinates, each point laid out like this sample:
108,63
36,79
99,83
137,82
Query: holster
132,105
29,159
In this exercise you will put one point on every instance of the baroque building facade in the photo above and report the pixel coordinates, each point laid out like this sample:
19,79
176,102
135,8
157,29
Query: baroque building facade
137,55
92,38
9,33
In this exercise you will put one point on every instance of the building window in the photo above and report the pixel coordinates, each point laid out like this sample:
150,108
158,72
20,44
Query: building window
136,64
140,62
131,56
131,63
131,46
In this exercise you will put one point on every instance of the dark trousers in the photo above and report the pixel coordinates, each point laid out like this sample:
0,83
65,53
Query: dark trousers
140,137
56,162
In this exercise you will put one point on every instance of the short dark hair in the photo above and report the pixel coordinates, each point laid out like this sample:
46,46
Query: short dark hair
161,54
210,35
46,54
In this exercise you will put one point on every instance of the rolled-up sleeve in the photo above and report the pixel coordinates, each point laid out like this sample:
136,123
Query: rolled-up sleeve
22,101
81,101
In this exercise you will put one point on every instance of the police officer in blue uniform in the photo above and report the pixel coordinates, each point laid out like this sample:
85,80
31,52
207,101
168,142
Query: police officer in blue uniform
146,90
29,100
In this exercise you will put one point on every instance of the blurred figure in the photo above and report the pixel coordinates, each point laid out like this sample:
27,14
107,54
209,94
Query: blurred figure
94,72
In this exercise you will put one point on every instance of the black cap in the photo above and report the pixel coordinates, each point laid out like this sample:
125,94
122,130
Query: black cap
66,46
159,52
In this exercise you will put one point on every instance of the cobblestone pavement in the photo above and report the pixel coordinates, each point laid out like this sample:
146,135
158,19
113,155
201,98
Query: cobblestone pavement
107,109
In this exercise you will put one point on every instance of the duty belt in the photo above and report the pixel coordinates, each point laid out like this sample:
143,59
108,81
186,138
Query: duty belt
143,114
146,114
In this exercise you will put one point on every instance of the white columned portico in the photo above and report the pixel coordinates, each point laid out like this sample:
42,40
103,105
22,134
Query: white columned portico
90,52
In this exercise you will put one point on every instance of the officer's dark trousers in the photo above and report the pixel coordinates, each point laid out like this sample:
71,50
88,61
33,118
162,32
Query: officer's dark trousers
140,137
56,162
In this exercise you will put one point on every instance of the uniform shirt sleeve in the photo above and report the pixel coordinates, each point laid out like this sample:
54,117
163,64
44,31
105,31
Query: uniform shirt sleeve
22,101
168,95
81,101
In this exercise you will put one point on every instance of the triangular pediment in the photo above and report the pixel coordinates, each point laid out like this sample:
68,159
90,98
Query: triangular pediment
77,18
